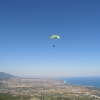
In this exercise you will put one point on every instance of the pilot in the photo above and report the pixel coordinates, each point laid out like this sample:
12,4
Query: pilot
53,45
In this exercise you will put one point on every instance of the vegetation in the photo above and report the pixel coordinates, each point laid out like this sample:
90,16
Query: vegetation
10,97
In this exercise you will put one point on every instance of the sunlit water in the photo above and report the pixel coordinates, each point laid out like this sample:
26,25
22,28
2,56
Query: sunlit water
84,81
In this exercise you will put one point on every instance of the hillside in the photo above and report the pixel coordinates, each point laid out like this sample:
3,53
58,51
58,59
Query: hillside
5,76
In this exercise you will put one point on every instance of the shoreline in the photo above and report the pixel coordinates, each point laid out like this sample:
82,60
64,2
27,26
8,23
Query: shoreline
67,83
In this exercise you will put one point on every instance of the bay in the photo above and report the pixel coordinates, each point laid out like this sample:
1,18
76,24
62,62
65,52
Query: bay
83,81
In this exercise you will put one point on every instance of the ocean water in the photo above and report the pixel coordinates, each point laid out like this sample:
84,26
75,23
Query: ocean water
83,81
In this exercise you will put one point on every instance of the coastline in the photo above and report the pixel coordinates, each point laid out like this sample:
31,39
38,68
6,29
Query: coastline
68,82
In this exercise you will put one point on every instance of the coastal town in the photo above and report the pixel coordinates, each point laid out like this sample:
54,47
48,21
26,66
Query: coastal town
38,88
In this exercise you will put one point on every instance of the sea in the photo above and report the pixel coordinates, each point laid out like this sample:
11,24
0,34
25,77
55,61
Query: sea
83,81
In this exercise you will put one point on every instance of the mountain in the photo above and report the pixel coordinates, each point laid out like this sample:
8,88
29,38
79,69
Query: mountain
5,76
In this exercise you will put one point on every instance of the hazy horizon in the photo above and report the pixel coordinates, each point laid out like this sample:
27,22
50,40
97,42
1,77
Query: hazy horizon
25,30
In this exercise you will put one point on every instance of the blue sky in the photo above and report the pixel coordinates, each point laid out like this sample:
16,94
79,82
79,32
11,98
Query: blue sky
25,29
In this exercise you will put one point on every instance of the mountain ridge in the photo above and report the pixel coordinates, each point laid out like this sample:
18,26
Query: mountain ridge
6,76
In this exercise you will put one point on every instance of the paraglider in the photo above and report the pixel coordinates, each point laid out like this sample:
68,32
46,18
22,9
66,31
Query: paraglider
54,36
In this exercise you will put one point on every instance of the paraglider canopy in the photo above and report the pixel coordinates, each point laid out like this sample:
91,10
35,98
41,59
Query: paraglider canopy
54,36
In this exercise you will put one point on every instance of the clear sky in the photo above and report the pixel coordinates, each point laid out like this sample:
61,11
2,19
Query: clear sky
25,29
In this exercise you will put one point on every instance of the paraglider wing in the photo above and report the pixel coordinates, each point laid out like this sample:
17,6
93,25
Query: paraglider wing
55,36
